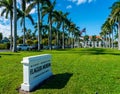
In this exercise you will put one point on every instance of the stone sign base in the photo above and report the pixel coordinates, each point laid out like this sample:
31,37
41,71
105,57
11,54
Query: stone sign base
23,92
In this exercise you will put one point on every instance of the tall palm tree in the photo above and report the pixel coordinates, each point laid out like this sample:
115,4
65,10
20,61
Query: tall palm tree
76,34
115,16
58,21
86,38
93,39
49,10
107,29
102,34
73,33
23,15
14,26
39,4
63,18
7,10
70,30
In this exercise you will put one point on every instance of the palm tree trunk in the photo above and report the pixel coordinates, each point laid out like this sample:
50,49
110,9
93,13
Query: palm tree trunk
57,37
15,26
109,41
50,34
63,39
24,30
11,35
38,6
72,40
105,41
112,39
119,36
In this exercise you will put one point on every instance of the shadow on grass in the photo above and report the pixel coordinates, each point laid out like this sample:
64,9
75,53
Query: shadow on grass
98,51
8,54
92,51
57,81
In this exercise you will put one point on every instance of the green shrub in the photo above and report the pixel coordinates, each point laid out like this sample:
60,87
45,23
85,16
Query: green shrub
5,46
2,46
35,41
29,42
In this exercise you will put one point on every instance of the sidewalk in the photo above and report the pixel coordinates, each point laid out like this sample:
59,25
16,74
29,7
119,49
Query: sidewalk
4,50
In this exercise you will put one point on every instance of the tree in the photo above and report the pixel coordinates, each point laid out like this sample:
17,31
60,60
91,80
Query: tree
7,9
23,15
115,16
61,20
39,4
93,39
58,21
49,10
64,21
1,36
86,38
15,26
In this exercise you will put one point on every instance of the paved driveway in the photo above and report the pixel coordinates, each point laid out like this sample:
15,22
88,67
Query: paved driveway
4,50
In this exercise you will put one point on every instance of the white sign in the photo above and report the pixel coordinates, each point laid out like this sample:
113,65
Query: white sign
35,70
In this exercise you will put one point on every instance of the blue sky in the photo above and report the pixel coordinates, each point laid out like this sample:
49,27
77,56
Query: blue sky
89,14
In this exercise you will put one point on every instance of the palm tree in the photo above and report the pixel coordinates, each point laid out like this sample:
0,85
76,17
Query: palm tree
39,4
76,34
22,15
63,18
93,39
70,30
115,16
107,29
58,21
15,26
7,4
86,38
1,36
102,34
49,10
73,26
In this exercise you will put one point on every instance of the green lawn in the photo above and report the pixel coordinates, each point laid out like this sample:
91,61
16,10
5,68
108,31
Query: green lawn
76,71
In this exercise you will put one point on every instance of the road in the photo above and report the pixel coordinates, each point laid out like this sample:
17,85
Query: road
4,50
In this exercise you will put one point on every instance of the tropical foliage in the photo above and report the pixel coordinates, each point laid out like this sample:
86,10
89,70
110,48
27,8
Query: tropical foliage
54,27
110,25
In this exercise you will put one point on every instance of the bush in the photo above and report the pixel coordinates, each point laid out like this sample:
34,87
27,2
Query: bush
29,42
35,41
5,46
2,46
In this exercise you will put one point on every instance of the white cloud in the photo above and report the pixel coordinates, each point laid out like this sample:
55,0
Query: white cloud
5,30
69,7
89,1
33,11
79,2
4,25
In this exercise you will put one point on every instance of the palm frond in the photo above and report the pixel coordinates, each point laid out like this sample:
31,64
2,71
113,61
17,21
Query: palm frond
30,18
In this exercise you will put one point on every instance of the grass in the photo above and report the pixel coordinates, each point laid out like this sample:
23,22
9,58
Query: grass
76,71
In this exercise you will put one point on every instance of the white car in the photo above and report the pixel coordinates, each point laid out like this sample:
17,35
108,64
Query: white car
23,47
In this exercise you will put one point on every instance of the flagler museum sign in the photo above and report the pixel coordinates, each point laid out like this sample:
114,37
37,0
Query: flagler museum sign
35,70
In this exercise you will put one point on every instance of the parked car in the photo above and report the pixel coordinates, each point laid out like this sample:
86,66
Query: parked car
23,47
35,47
